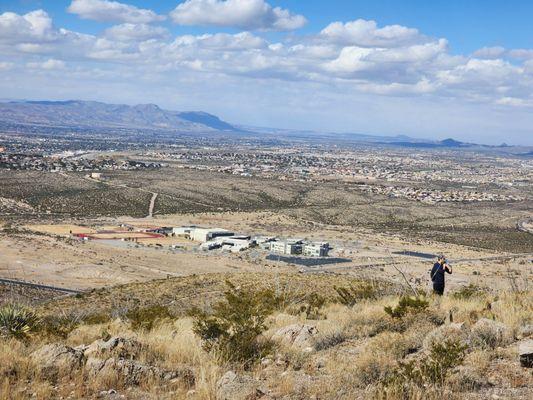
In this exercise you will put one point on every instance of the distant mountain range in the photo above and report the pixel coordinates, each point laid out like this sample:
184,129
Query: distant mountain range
97,115
92,114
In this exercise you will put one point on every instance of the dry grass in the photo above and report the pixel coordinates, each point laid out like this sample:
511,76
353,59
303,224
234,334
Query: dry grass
357,349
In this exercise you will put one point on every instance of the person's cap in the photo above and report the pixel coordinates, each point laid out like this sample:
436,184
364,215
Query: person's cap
441,257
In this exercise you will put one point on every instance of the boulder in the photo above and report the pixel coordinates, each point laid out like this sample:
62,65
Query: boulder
232,386
53,359
525,352
454,332
525,331
133,372
300,336
117,347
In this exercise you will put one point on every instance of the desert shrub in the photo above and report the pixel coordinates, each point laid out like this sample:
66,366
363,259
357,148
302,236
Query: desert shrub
468,292
488,334
328,340
351,295
58,325
431,369
145,318
459,333
233,328
473,374
407,305
17,321
96,318
373,367
312,306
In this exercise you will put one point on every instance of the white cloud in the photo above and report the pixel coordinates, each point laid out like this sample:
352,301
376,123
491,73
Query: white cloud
49,64
365,33
111,11
346,60
35,26
243,14
489,52
521,54
136,32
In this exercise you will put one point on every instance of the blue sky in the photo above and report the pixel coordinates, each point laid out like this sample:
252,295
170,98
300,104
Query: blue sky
468,25
438,69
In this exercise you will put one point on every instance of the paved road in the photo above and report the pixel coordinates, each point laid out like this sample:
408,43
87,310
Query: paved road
38,286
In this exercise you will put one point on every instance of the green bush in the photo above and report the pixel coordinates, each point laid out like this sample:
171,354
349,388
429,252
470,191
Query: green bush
431,369
468,292
312,306
234,327
58,325
146,318
406,305
17,321
351,295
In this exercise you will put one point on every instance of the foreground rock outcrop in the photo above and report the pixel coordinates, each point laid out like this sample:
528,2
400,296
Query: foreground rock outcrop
299,336
114,357
54,359
233,386
525,352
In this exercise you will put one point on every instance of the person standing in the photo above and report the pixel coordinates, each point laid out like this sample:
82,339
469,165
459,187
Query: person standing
437,274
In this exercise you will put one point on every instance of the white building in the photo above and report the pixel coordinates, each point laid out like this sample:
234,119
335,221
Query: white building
231,243
320,249
200,234
286,247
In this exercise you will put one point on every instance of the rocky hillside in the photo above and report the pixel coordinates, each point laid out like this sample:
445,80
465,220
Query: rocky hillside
240,336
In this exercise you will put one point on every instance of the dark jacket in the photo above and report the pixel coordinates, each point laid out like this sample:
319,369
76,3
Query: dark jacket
437,274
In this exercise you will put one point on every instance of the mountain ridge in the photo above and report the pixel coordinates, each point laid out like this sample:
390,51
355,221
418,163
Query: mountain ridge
73,113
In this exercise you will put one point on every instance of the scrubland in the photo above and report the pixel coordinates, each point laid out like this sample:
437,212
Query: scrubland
321,337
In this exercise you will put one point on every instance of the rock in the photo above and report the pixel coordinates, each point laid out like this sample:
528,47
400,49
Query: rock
487,333
453,332
525,331
300,336
525,352
133,372
238,387
118,347
52,359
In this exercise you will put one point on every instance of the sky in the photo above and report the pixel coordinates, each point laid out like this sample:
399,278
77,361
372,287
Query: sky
429,69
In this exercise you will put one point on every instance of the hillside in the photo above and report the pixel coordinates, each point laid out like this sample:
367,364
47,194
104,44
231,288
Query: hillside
284,336
77,113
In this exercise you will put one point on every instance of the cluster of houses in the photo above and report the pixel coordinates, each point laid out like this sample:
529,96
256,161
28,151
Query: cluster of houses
37,162
217,238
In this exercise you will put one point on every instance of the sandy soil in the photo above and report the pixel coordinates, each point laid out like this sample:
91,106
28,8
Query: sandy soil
82,265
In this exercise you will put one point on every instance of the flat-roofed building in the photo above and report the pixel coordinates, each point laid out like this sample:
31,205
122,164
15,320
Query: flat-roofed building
319,249
286,247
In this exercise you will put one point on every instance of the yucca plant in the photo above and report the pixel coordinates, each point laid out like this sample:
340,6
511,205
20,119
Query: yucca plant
17,321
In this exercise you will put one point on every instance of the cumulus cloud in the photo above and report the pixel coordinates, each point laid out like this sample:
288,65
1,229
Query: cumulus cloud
365,33
243,14
521,54
49,64
489,52
357,56
112,11
35,26
138,32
